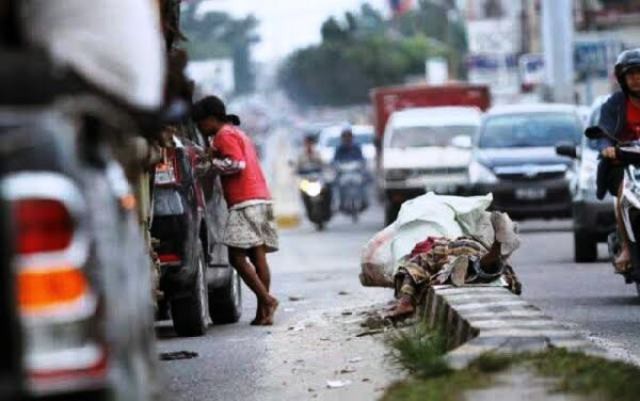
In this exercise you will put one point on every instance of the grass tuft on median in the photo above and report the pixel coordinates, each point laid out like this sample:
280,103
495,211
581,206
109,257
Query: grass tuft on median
421,351
588,375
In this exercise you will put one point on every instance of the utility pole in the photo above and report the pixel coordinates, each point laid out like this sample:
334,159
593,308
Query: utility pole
557,33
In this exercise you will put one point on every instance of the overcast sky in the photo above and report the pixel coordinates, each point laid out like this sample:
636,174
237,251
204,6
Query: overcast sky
289,24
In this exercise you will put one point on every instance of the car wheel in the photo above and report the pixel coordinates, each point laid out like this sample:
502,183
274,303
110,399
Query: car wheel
225,303
585,247
189,313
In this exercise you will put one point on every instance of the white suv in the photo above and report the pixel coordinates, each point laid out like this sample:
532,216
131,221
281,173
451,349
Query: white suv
426,149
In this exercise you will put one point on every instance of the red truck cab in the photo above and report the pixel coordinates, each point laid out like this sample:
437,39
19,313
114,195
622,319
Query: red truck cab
411,169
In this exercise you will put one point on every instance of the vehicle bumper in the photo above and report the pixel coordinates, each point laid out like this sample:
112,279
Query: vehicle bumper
399,196
595,218
398,193
556,203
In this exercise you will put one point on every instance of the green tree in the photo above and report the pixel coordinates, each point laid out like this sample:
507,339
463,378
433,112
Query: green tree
216,35
364,50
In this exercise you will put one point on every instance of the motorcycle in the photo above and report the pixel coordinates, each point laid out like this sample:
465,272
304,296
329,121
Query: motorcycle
316,196
628,154
351,181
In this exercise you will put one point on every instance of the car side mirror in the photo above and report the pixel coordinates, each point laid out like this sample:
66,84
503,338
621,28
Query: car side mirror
567,149
594,132
461,141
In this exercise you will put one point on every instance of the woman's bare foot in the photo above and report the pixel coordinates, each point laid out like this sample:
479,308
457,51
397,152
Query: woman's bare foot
623,260
270,311
259,316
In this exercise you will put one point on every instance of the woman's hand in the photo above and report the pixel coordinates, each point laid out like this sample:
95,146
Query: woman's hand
609,153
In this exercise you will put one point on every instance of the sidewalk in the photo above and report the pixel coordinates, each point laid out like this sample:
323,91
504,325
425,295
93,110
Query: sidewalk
282,181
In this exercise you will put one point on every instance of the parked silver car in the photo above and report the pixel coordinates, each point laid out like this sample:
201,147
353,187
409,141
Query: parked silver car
593,219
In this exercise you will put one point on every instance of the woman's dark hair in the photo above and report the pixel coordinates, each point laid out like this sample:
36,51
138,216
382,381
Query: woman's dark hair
213,106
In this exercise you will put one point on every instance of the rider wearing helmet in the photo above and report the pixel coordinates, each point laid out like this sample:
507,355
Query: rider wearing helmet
620,118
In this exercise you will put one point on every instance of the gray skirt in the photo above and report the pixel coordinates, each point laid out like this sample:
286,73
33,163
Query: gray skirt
251,227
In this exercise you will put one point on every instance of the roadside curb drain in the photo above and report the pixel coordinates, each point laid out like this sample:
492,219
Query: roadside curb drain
482,319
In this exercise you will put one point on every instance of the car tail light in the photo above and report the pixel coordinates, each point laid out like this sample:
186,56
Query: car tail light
44,225
169,258
46,289
167,171
57,301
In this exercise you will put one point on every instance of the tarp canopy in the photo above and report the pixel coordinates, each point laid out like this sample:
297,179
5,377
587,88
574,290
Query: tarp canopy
116,45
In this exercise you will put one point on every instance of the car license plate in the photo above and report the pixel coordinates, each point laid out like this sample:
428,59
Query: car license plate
531,193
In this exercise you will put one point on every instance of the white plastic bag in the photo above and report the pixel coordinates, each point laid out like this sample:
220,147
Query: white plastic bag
376,261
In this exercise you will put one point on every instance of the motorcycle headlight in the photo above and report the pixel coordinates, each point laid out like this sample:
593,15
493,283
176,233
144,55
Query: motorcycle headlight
481,174
311,188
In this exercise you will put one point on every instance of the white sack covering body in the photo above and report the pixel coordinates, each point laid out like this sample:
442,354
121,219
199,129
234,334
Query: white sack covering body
116,45
429,215
433,215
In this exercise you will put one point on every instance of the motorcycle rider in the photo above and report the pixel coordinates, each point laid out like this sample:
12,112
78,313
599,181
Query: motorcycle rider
620,118
350,151
309,160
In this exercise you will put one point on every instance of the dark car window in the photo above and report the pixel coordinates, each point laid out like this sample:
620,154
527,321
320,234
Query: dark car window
411,137
530,130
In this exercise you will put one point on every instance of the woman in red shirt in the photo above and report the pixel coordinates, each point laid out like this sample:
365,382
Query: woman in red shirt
250,232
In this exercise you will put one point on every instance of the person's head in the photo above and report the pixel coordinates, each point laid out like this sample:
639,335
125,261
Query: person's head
210,114
309,143
627,72
347,136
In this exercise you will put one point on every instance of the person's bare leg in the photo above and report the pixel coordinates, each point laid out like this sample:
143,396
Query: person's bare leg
259,262
258,257
239,260
624,257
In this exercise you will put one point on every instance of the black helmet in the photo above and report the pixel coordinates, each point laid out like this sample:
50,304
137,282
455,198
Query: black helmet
627,60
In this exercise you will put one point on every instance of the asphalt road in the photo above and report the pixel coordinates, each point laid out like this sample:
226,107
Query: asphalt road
589,297
315,275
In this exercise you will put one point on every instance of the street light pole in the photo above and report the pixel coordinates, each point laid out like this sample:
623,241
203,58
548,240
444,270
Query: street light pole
557,34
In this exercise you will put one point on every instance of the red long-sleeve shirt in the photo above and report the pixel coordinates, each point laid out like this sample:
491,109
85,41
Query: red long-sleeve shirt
242,176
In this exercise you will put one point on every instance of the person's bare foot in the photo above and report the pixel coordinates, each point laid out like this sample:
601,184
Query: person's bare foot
403,309
623,260
259,316
270,311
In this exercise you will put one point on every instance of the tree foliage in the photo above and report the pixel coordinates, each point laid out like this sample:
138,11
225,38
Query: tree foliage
364,50
218,35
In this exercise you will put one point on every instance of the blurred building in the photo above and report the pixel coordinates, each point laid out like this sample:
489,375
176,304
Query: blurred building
505,42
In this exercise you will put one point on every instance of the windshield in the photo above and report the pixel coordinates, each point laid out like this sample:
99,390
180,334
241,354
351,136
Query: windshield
530,130
440,136
360,139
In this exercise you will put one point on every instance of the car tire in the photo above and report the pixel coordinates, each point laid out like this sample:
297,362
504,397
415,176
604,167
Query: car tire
189,313
225,303
585,247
